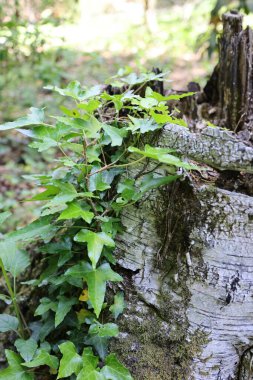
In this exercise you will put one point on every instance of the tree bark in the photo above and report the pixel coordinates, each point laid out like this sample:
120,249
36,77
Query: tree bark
186,252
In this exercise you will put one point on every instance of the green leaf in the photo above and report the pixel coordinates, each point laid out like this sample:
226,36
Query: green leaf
43,358
89,358
162,155
35,117
40,228
8,323
163,118
74,210
96,280
99,343
41,146
64,306
45,305
4,216
26,348
142,125
118,306
116,134
15,371
96,180
70,362
114,370
96,242
74,90
15,261
106,330
89,373
150,182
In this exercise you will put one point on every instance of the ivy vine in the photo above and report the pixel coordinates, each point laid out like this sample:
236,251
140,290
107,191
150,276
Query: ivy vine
99,138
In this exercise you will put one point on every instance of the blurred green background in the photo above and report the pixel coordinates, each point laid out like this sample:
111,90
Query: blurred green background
46,42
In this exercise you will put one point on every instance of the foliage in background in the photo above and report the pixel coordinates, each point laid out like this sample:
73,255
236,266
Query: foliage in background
100,138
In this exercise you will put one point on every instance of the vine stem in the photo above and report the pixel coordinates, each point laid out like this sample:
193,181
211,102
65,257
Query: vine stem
13,298
111,166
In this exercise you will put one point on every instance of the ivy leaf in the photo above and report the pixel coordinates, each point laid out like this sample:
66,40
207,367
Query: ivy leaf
45,305
4,216
106,330
163,118
89,373
8,323
35,117
114,370
43,145
74,210
96,180
15,260
64,306
96,242
70,362
96,280
43,358
99,343
89,358
163,155
142,125
26,348
15,371
118,306
116,134
40,228
150,182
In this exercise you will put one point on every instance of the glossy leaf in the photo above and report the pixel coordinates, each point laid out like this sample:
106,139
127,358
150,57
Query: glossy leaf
64,306
43,358
15,371
114,370
74,210
96,241
70,362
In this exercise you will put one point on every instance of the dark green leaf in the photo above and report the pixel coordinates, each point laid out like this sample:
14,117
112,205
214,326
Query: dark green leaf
8,323
15,260
26,348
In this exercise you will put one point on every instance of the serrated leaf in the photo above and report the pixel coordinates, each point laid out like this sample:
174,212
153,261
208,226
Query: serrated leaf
96,241
70,362
74,210
43,358
4,216
116,135
8,323
114,370
119,304
15,371
26,348
35,117
64,306
15,260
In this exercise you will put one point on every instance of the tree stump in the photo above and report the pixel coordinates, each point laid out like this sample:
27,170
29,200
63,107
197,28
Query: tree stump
187,251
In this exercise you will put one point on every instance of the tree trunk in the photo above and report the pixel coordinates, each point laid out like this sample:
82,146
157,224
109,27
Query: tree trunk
186,253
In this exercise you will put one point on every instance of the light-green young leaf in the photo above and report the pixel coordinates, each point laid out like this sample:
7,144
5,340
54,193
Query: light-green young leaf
70,362
114,370
15,371
96,241
116,135
4,216
43,358
74,210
